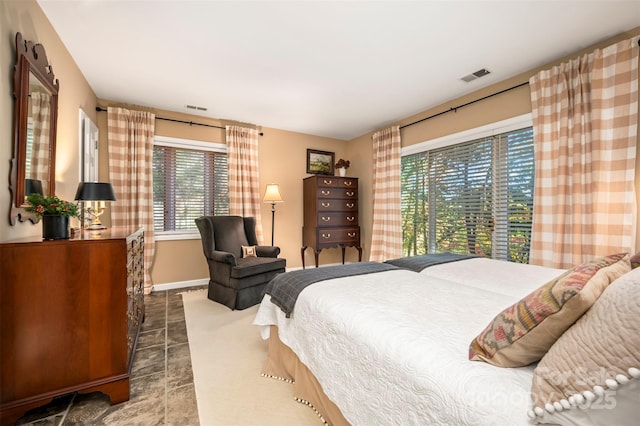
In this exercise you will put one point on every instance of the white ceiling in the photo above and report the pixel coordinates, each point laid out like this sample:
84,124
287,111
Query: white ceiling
329,68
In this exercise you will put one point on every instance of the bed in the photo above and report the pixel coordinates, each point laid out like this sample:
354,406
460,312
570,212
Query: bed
392,347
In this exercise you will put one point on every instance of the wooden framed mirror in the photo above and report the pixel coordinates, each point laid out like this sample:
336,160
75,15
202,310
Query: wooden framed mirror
35,92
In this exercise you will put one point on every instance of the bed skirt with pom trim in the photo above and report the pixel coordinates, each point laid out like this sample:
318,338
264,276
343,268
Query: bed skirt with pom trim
283,364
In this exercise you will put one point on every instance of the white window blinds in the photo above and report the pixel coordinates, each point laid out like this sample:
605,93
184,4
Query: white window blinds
474,197
187,184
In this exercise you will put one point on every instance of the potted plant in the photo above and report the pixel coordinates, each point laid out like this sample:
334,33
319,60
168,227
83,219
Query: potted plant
55,214
342,166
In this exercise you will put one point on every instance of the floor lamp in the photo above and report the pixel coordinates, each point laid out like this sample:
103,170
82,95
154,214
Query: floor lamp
272,195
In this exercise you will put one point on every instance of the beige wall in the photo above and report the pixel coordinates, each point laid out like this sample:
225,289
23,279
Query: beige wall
25,16
506,105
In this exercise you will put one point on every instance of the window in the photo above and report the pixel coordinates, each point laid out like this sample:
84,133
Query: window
472,197
189,181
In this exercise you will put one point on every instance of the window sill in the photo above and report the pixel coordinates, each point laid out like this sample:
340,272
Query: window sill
176,235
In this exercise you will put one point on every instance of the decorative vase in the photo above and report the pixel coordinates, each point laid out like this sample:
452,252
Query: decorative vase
55,227
342,171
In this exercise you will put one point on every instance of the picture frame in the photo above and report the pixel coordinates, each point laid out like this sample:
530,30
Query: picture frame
320,162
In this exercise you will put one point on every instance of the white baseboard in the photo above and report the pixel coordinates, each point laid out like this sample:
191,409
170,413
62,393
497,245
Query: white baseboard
205,281
180,284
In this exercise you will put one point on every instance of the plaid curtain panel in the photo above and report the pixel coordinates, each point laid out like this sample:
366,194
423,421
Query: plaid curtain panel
130,139
244,183
386,238
585,133
40,149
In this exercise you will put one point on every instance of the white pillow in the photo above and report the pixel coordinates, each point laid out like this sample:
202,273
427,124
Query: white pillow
591,374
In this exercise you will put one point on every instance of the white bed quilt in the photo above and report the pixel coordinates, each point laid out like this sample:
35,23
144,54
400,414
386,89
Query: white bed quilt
513,279
392,348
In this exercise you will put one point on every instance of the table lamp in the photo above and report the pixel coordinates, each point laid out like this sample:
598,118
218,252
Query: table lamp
95,194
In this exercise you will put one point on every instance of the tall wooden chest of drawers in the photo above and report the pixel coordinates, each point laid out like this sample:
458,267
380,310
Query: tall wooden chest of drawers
70,315
330,214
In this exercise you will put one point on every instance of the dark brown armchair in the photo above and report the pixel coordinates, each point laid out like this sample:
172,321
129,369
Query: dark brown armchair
236,281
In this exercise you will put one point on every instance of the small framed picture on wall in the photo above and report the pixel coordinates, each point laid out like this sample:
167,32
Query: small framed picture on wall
320,162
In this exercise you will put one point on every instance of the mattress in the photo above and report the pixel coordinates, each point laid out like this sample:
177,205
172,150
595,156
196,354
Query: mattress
392,347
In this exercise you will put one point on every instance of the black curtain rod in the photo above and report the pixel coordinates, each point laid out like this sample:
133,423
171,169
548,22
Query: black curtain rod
455,109
190,123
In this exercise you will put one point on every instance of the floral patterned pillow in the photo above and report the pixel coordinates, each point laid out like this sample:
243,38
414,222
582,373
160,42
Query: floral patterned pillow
524,332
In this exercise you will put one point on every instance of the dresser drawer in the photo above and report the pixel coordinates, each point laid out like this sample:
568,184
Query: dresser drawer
339,193
327,182
334,205
348,183
329,219
337,182
338,235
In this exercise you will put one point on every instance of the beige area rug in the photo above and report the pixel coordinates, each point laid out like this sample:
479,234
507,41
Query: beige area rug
227,354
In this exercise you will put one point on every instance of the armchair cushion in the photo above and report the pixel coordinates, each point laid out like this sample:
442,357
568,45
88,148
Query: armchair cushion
248,266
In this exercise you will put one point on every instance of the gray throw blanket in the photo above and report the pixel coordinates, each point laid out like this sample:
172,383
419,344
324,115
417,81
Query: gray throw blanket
418,263
285,288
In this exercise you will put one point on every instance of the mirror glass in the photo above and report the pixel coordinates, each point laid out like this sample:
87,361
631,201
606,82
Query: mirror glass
38,151
35,118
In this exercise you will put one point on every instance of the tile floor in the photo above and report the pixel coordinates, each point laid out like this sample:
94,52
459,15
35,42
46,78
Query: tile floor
162,390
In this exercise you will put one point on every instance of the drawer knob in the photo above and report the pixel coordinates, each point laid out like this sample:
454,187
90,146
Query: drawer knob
326,204
325,192
351,234
351,218
326,219
327,181
350,193
350,205
326,235
348,183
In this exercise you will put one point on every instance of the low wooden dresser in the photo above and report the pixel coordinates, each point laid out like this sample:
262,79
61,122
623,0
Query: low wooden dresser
330,214
70,315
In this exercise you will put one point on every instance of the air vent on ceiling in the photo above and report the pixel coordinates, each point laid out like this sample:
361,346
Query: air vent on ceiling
197,108
475,75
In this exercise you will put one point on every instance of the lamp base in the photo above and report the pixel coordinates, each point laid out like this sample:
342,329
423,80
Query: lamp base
95,212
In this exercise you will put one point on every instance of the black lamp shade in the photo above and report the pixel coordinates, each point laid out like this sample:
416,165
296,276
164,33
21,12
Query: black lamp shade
95,191
33,186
